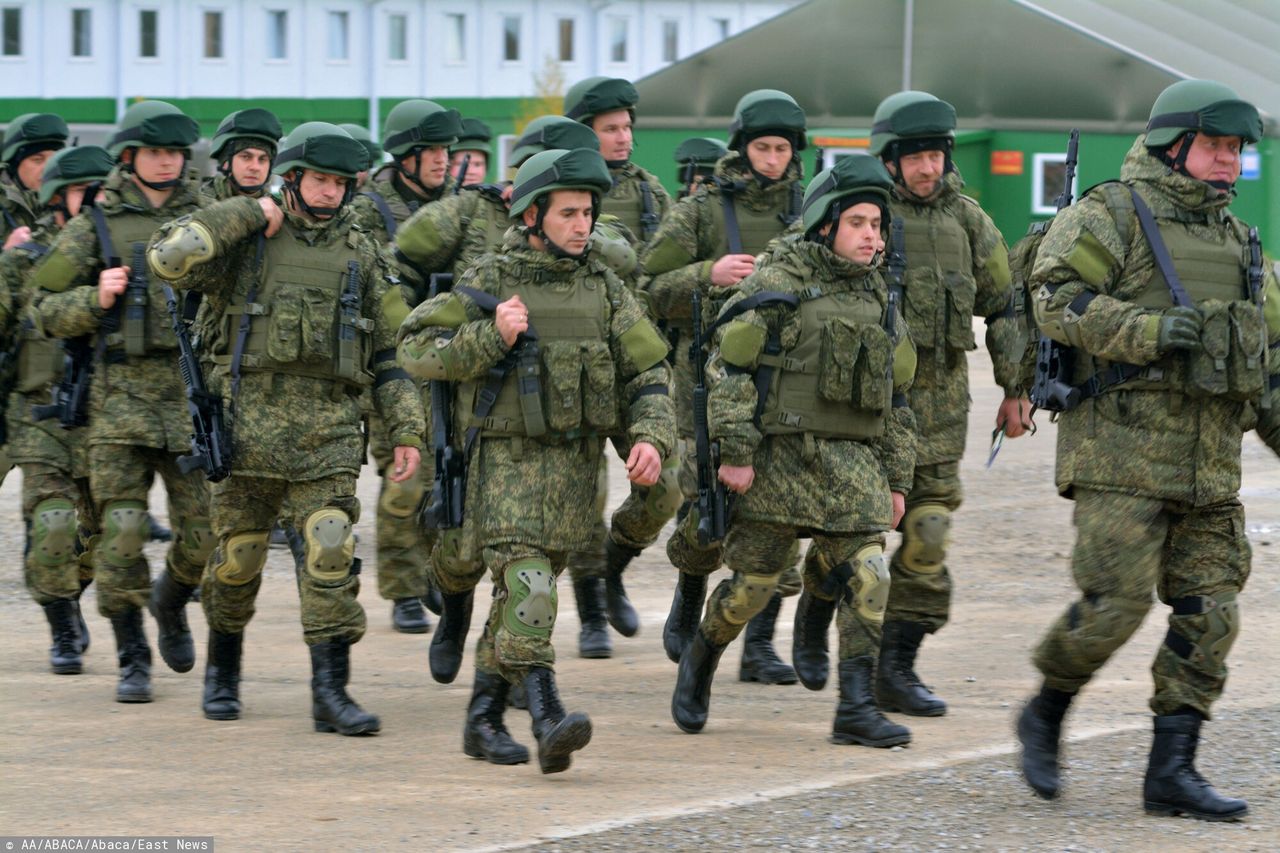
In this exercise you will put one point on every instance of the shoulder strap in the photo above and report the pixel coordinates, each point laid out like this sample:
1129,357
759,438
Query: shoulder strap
242,333
8,218
105,246
793,207
1152,231
1119,202
36,250
388,220
731,230
762,299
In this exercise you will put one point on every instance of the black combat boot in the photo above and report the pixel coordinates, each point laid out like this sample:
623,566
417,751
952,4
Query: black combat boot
760,661
858,720
691,701
408,617
686,613
432,600
898,688
622,616
168,606
1040,731
64,654
1173,785
559,734
445,653
593,638
134,656
809,652
331,708
222,676
82,628
485,736
158,532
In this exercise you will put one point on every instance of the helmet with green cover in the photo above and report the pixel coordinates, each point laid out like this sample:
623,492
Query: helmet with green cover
251,128
153,124
320,147
1189,107
594,96
31,134
546,133
419,123
548,171
475,136
856,179
767,112
85,164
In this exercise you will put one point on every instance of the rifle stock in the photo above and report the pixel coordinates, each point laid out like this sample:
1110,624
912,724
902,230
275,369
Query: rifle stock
210,450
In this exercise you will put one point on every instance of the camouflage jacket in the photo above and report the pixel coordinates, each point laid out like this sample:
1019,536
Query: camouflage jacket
219,188
827,484
540,492
136,400
626,199
1142,440
448,235
287,426
939,305
401,201
17,207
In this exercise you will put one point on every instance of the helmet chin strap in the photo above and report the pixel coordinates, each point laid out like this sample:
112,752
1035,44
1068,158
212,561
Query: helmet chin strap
1178,162
554,248
127,166
224,168
293,189
412,177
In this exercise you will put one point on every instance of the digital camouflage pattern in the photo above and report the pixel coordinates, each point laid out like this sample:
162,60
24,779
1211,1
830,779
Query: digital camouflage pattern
402,201
626,199
1154,472
17,207
449,235
219,188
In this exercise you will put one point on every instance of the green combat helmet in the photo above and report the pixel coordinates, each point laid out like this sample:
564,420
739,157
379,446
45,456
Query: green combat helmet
910,122
414,125
475,136
1189,107
154,124
361,134
557,169
697,157
767,112
321,147
251,128
545,133
595,95
30,134
86,164
852,180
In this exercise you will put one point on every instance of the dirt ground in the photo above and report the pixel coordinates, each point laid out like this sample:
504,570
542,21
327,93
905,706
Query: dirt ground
72,761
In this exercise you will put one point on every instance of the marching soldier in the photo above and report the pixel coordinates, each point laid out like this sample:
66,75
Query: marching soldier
243,147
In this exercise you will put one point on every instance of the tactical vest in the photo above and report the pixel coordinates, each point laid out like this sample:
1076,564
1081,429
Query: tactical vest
296,315
144,326
755,227
837,381
573,376
940,289
40,359
632,200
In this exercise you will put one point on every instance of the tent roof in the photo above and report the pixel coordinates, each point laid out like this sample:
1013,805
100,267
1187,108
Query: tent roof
1003,63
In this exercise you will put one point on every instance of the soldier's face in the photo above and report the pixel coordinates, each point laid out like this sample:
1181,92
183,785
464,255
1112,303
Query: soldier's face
858,237
432,167
250,167
922,171
769,155
614,131
477,166
73,197
158,164
31,169
321,189
568,220
1212,158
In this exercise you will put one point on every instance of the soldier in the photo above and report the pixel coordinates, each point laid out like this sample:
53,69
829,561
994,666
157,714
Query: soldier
474,146
243,147
417,135
302,312
534,451
709,242
828,453
93,283
372,147
62,527
1157,291
29,142
957,268
697,157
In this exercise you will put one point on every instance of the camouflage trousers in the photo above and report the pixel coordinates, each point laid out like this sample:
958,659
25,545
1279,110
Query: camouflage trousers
120,476
522,614
689,557
403,547
852,570
921,588
50,578
755,551
250,505
635,524
1197,561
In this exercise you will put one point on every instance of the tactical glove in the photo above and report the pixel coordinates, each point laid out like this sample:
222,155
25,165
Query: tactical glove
1179,329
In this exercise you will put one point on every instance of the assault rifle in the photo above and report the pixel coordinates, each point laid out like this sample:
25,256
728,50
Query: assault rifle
210,451
897,268
71,393
349,361
715,505
1051,389
1255,293
462,174
444,507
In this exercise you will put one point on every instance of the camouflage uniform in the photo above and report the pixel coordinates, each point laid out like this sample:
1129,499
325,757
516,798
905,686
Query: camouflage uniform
17,208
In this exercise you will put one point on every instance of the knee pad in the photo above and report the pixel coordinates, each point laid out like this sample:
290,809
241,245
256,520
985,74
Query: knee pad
241,559
401,500
330,546
748,595
126,527
530,608
53,532
872,571
195,540
926,530
1218,621
663,497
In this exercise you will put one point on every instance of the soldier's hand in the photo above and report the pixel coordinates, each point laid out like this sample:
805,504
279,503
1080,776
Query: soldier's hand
737,477
644,464
1179,329
899,508
512,319
732,269
1014,415
273,213
19,235
405,463
111,283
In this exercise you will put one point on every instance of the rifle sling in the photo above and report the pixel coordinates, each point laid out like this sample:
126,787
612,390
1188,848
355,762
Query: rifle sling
242,333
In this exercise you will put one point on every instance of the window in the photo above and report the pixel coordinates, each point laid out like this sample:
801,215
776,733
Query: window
277,34
511,38
81,32
617,39
338,22
148,33
212,35
455,38
397,37
566,39
670,41
11,24
721,27
1048,172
